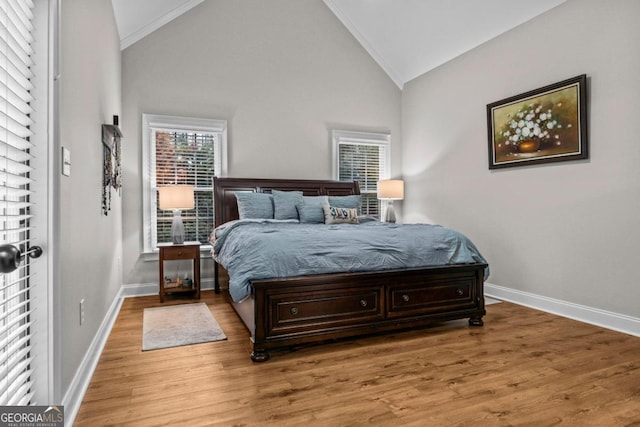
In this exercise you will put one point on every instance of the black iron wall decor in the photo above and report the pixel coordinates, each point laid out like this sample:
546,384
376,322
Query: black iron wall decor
111,168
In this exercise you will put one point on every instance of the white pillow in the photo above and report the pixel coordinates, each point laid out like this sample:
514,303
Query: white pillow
334,215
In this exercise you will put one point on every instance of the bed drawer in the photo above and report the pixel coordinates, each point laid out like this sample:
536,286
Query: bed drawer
297,312
435,297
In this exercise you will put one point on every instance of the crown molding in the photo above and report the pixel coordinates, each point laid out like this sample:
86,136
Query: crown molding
157,23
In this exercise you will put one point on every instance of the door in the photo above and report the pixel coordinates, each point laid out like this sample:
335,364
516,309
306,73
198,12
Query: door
25,130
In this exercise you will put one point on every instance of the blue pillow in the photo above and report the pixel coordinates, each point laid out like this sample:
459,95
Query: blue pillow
349,202
254,205
315,200
310,211
310,214
284,204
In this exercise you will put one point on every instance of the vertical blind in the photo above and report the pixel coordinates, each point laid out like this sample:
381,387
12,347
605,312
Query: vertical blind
366,162
15,121
186,158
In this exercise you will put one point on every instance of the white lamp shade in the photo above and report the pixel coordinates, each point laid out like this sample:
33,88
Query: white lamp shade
176,197
391,189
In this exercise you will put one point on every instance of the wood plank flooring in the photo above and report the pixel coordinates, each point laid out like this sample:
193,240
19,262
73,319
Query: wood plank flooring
524,367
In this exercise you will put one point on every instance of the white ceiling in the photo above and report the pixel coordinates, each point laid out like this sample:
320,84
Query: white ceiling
139,18
406,37
410,37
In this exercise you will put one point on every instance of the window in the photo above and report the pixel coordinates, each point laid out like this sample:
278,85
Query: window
183,151
362,157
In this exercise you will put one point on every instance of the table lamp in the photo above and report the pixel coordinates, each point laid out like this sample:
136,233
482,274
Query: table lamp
176,198
390,190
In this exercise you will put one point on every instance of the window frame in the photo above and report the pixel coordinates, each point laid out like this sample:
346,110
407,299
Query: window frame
362,138
152,122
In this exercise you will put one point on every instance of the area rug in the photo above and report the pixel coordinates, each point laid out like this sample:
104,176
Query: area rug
179,325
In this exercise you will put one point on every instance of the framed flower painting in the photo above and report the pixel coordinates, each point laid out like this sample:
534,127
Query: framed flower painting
540,126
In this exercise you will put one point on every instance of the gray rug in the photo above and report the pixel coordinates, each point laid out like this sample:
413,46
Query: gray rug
178,325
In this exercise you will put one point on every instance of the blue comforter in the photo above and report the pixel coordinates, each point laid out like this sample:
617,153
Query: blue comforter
263,249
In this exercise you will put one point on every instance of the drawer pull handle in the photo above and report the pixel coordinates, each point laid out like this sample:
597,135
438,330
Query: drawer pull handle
294,310
180,253
363,303
459,292
405,298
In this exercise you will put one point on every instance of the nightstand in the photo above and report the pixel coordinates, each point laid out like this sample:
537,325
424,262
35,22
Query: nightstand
172,252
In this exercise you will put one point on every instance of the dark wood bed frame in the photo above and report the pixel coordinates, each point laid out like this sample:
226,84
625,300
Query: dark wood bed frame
305,309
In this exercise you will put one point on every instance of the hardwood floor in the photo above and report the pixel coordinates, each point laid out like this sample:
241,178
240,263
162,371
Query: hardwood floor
524,367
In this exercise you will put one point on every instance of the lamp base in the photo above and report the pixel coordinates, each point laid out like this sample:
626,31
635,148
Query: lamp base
177,228
390,213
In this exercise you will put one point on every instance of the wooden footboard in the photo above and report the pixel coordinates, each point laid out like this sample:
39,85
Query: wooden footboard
308,309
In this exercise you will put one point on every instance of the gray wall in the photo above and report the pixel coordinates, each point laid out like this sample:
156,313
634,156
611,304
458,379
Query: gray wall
569,230
283,73
89,243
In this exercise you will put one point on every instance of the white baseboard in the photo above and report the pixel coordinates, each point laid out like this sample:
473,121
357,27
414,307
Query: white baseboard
139,290
594,316
78,387
145,289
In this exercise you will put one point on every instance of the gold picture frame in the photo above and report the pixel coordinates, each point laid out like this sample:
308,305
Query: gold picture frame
544,125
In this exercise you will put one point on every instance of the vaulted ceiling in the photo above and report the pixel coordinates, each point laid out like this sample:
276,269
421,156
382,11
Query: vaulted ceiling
406,37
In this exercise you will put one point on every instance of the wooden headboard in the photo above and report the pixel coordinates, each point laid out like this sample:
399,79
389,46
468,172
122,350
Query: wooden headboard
226,206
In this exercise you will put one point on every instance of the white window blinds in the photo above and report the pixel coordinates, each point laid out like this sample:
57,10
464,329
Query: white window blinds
362,157
181,151
186,158
16,40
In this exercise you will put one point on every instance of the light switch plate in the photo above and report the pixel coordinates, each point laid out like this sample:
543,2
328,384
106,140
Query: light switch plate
66,162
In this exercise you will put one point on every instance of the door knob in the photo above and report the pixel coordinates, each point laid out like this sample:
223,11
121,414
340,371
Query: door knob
10,256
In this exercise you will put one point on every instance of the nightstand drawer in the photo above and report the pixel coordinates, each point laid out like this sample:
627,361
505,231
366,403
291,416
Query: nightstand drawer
180,252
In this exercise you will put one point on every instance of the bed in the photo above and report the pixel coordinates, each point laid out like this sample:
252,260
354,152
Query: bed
298,309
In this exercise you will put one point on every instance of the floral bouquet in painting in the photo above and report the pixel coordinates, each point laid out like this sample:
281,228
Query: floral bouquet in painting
532,126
